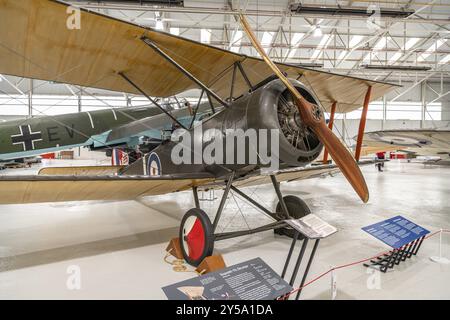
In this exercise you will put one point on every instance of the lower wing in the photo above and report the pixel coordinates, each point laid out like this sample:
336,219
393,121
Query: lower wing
79,187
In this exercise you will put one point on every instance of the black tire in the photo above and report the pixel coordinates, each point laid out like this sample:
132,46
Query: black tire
297,208
201,244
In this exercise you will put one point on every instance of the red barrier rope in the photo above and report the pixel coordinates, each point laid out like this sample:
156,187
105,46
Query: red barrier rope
351,264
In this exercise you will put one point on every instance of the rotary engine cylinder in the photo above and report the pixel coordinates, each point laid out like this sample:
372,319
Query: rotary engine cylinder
272,107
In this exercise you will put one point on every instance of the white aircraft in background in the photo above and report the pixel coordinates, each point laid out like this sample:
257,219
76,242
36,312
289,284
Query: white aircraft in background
429,145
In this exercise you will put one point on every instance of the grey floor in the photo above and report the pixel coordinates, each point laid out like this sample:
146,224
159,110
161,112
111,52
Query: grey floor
118,247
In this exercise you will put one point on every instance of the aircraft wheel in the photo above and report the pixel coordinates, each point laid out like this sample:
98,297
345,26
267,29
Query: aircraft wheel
297,208
196,236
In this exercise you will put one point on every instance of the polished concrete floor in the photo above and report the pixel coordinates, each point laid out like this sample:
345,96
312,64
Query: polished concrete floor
116,249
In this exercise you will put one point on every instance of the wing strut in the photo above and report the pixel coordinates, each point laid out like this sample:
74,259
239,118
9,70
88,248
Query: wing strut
152,100
362,123
330,126
158,50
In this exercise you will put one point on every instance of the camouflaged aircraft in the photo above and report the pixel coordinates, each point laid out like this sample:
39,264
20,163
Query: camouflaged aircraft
96,130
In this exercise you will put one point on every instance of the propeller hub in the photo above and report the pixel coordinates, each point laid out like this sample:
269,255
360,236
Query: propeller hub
294,121
297,120
294,127
316,112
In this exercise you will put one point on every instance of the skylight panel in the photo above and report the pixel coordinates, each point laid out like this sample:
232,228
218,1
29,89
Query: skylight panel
431,49
322,45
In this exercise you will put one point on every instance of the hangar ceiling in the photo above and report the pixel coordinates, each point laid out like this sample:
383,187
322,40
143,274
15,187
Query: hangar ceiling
344,43
410,47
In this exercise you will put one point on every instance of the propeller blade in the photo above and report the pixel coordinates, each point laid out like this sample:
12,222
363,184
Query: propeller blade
313,118
343,158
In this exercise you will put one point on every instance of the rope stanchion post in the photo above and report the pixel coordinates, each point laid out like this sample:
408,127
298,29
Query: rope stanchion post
333,284
440,259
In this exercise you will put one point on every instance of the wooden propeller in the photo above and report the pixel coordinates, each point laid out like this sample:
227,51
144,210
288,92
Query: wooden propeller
313,118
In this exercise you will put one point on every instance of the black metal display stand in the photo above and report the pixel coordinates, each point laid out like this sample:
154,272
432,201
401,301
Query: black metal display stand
299,261
395,256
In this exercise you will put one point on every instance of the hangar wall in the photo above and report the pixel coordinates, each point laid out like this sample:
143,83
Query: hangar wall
422,93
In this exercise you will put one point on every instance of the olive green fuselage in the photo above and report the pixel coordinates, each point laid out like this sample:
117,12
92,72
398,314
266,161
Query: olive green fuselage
27,137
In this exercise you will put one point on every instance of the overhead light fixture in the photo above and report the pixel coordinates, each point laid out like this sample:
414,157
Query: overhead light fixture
309,65
154,3
317,32
205,35
159,25
403,68
348,11
431,49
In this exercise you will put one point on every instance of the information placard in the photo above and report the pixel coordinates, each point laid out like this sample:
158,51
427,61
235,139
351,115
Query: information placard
250,280
396,231
312,226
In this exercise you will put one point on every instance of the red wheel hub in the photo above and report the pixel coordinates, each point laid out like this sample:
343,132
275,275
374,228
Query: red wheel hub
195,239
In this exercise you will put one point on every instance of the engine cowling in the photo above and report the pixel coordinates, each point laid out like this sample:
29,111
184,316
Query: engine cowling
272,107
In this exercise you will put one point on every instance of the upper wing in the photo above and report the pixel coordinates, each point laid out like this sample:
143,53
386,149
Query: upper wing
35,42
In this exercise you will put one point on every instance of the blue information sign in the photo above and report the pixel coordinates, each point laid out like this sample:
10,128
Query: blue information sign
396,232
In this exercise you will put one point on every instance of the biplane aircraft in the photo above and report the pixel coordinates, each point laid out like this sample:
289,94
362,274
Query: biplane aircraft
243,93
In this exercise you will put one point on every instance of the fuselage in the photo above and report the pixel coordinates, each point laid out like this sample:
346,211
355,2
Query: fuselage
264,110
34,136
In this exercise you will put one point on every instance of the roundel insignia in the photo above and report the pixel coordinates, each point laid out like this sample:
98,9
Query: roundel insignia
403,140
154,165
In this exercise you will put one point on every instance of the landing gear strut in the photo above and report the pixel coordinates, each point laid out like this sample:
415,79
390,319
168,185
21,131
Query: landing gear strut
197,233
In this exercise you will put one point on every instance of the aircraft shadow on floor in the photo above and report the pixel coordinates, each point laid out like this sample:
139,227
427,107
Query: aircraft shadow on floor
86,249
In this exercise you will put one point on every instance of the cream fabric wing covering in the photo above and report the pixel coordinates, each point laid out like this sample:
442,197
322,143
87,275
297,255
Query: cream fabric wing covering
36,43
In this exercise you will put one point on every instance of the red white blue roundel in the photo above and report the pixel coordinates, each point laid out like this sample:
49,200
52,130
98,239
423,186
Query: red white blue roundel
154,165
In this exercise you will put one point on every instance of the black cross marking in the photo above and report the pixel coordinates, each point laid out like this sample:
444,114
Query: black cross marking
26,138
